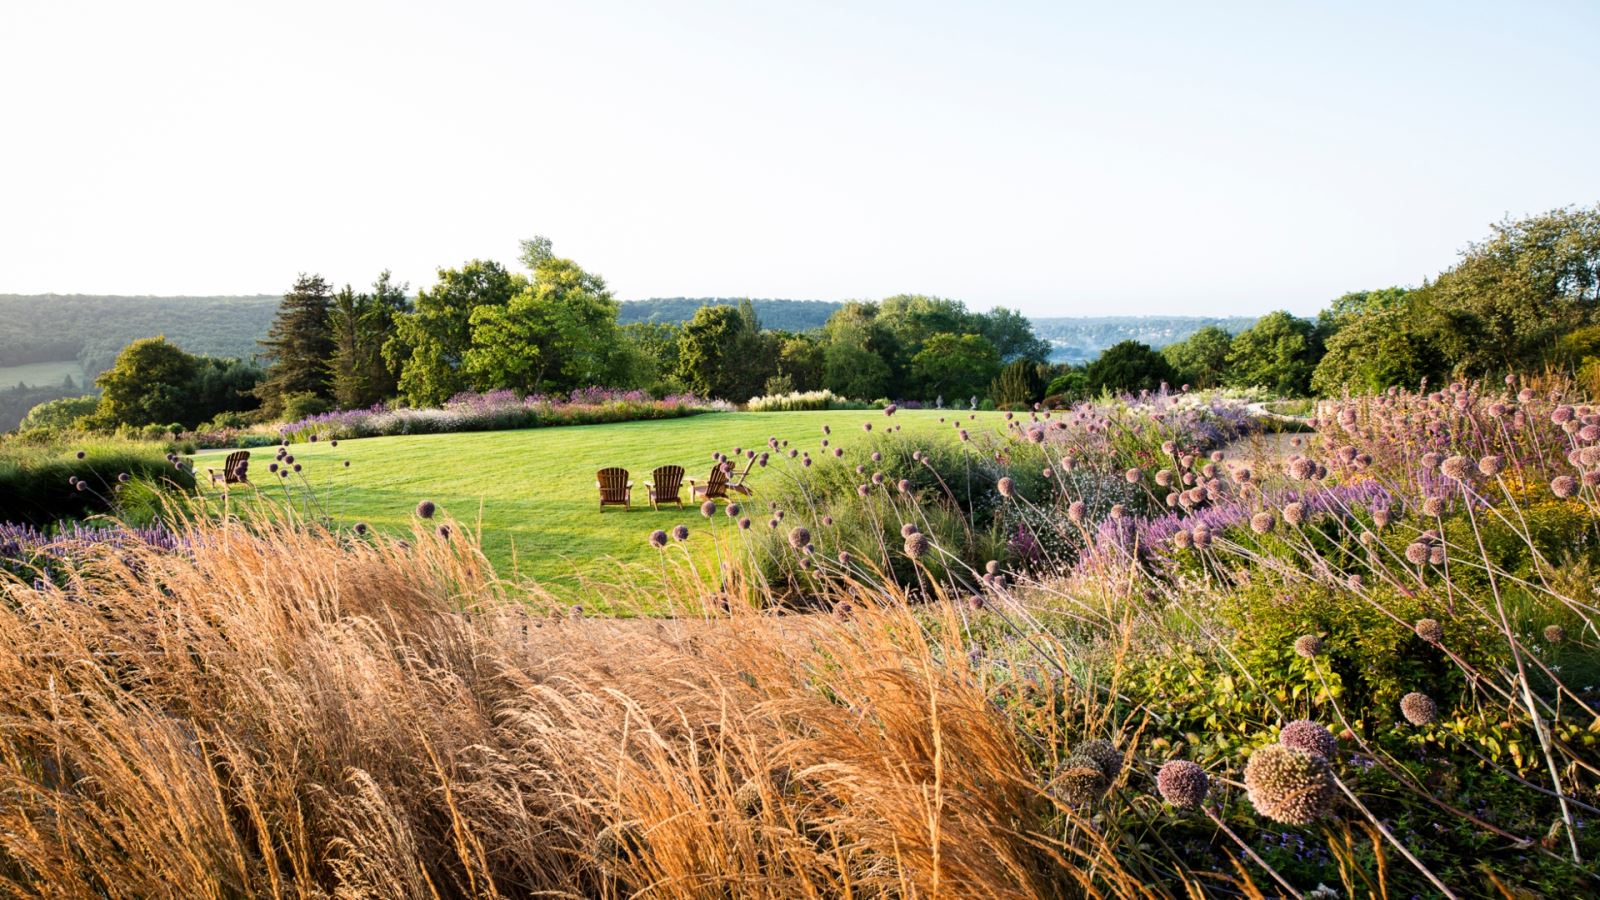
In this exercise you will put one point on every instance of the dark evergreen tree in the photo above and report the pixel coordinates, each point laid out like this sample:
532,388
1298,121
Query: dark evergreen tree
1019,385
360,325
299,345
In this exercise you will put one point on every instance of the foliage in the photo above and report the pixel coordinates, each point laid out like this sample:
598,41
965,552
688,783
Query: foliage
430,343
60,414
1376,350
558,333
149,384
796,401
361,324
1278,353
298,345
955,365
39,480
1019,385
1201,359
1128,367
722,353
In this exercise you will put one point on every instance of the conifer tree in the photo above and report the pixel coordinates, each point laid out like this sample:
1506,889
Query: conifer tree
299,346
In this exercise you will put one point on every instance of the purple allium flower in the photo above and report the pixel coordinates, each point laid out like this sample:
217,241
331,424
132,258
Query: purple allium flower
1308,645
827,520
1075,511
444,532
272,467
908,529
877,478
772,523
863,489
1419,709
122,478
361,528
1312,737
744,523
347,464
1564,487
82,454
1182,784
708,509
297,467
1289,785
1433,506
658,539
733,510
680,532
964,436
1133,475
426,509
1492,465
1262,522
1429,630
1456,468
904,485
866,426
890,410
1294,513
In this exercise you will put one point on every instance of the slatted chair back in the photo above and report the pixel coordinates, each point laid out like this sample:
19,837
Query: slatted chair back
666,485
235,469
738,482
716,485
613,484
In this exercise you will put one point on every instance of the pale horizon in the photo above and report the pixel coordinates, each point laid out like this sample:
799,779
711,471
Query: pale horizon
1066,162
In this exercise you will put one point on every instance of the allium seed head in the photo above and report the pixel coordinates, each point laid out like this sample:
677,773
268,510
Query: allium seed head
1429,630
799,537
658,539
1419,709
708,509
1433,506
1554,634
1006,487
1416,553
1308,645
1492,465
1289,785
680,532
1075,511
1312,737
1262,522
1079,781
1105,755
916,546
1183,784
1457,468
426,509
1564,486
1294,513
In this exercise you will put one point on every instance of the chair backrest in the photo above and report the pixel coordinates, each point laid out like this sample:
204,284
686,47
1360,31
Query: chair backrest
750,464
236,465
613,484
668,480
717,482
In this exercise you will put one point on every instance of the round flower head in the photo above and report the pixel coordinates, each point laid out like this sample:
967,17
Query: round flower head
863,489
82,454
1431,460
1436,555
1202,537
1308,645
890,409
844,557
1075,511
1416,553
827,520
866,426
1492,465
733,510
799,537
122,478
444,532
1430,630
708,509
908,529
1419,709
1433,506
1006,486
1554,634
1289,785
877,478
680,532
916,546
992,566
904,485
772,522
1561,415
361,528
1183,540
1133,475
1564,487
744,523
1304,734
1262,522
1106,756
1456,467
1294,513
1183,784
658,539
1079,781
426,509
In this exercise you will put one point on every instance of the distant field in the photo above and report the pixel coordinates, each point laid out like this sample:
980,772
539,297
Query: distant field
535,487
44,374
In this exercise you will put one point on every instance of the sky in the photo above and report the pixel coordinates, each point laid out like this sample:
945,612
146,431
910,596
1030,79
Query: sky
1061,158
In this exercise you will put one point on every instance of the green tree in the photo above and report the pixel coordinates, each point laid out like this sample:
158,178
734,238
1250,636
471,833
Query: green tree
801,360
722,353
956,365
148,385
1200,359
1278,353
1127,366
60,414
1066,388
222,386
558,333
298,345
431,342
1019,385
652,355
1375,350
362,324
1012,335
1502,307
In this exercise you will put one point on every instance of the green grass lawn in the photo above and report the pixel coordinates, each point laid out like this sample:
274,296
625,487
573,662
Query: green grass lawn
533,490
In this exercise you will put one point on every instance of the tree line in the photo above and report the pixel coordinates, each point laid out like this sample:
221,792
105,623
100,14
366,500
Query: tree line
1524,298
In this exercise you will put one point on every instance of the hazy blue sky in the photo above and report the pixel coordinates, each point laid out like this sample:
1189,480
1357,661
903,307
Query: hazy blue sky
1067,159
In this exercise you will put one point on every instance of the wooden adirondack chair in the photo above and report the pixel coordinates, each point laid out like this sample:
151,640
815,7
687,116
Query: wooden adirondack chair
665,486
716,486
615,488
235,470
737,484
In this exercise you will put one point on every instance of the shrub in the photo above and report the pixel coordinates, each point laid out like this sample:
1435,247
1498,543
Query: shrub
36,480
801,401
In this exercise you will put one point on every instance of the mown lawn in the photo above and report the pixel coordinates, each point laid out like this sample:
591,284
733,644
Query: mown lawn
532,491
